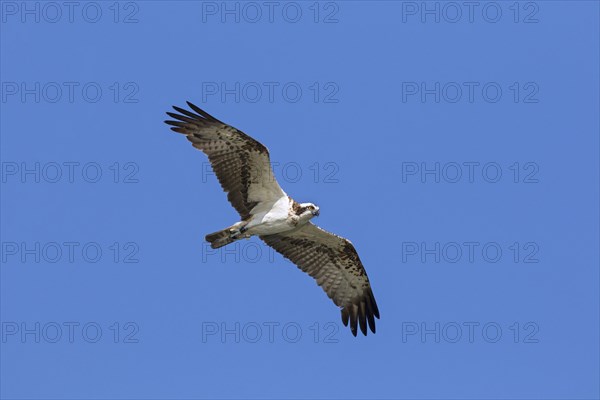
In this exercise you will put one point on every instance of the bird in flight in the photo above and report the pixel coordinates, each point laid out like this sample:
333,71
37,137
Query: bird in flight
243,168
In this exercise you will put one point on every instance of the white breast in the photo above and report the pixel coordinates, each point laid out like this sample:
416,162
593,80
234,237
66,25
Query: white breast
271,220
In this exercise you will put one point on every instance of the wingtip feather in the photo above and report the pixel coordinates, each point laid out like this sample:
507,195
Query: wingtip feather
362,318
345,316
354,319
202,112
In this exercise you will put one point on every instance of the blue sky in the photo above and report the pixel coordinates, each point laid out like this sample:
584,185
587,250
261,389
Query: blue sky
457,147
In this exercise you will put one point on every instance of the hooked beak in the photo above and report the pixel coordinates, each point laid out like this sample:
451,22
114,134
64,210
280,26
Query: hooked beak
316,213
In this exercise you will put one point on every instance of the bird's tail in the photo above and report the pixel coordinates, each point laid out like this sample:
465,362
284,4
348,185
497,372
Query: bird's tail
221,238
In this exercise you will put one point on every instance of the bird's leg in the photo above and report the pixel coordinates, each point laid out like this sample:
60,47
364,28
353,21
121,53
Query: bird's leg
237,230
243,233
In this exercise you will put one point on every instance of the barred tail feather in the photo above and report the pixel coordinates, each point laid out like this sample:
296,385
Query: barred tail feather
220,238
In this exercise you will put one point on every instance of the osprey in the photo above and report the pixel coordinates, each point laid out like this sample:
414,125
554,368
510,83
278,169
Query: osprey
243,168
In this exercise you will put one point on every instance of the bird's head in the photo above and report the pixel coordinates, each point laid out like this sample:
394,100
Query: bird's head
308,210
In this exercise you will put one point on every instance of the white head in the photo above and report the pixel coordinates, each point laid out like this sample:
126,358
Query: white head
307,210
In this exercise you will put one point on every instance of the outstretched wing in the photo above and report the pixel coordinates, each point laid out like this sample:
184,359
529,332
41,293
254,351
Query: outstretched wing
241,163
334,263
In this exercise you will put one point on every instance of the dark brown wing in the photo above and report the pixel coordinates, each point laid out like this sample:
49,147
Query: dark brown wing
334,263
241,163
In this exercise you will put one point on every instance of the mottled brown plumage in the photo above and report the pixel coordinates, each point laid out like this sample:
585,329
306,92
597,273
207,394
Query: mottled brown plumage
334,263
241,163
